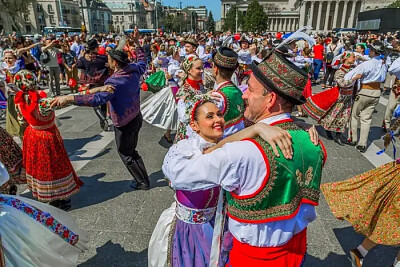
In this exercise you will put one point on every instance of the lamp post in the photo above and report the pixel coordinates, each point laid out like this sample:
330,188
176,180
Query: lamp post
61,14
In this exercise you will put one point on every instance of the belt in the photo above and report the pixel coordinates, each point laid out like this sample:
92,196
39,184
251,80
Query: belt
42,127
194,216
371,86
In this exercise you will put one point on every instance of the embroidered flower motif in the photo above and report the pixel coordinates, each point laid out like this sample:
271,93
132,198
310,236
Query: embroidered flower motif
17,77
42,217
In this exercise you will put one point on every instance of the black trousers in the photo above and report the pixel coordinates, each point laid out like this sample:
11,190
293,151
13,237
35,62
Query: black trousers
329,75
126,138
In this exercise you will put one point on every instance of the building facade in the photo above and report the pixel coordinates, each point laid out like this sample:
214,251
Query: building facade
96,16
51,14
201,16
126,14
322,16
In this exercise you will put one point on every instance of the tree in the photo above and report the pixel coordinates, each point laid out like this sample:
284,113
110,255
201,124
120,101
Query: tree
14,9
256,19
230,19
210,23
395,4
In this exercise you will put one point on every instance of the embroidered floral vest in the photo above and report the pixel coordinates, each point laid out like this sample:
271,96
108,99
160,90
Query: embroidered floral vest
288,183
234,105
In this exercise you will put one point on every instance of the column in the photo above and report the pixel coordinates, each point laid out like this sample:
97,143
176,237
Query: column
318,26
353,11
328,12
310,18
286,24
280,28
344,14
335,15
275,24
303,14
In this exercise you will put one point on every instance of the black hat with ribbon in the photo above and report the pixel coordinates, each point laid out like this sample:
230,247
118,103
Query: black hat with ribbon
281,76
226,58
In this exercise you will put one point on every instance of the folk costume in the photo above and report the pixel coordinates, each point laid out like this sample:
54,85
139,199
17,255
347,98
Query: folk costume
125,112
160,108
267,217
190,92
373,74
35,234
332,108
183,234
11,157
49,171
13,127
394,97
231,103
370,201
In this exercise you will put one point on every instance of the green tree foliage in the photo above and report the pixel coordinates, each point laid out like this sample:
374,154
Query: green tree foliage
210,23
256,20
230,19
395,4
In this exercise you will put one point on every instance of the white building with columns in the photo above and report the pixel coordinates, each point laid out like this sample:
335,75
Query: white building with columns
322,16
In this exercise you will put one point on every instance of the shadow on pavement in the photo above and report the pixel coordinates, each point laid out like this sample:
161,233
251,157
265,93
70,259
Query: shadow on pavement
111,254
75,155
157,179
64,117
333,260
94,191
377,257
72,145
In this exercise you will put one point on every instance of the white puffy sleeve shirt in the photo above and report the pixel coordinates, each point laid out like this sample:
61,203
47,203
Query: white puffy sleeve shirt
238,167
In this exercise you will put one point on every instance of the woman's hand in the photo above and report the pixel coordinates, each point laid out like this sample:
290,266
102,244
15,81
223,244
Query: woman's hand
275,136
312,131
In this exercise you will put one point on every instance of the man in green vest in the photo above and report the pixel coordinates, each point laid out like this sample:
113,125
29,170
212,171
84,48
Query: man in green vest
270,199
230,102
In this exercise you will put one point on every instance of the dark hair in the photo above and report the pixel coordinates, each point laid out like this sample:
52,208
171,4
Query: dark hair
225,73
196,108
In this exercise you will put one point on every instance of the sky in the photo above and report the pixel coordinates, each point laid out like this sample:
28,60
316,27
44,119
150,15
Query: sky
212,5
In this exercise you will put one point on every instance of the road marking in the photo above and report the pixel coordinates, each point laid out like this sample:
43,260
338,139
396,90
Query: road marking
91,150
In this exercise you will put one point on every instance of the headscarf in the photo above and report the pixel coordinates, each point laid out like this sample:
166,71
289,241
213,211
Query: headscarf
28,97
186,66
345,56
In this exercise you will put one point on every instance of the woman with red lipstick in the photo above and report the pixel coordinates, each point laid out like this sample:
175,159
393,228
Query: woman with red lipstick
191,90
184,231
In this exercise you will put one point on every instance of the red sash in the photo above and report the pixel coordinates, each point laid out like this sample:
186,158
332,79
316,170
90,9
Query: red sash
289,255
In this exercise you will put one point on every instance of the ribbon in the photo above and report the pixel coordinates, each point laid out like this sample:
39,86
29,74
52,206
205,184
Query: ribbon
391,136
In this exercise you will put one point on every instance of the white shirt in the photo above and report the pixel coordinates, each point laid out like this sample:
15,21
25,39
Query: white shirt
201,53
373,70
237,167
244,57
394,69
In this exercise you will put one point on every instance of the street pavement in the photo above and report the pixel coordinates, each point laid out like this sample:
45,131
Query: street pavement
120,220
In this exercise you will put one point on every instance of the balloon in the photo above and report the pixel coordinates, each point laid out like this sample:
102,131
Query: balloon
102,50
145,87
72,82
236,36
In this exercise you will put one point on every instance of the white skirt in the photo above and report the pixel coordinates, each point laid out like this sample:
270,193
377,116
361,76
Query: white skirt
158,245
160,110
28,242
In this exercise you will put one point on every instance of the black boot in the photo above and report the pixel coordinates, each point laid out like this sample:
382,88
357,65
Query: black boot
139,173
329,135
337,139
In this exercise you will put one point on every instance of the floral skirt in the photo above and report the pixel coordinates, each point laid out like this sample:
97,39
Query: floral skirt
11,157
370,202
49,171
337,117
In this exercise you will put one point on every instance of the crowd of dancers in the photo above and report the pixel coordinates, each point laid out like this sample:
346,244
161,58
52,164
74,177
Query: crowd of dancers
246,173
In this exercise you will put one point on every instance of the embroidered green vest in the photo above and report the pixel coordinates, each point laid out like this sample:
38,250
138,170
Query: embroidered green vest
234,104
288,183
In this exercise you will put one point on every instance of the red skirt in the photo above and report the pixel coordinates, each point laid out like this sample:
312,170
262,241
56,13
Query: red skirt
318,104
48,169
289,255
